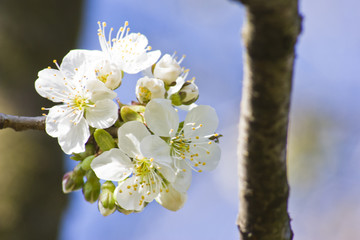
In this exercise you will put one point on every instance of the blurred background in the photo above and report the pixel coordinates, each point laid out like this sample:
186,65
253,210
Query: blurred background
324,135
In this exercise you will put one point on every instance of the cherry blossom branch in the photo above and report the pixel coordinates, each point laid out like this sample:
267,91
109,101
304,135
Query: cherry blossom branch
269,34
20,123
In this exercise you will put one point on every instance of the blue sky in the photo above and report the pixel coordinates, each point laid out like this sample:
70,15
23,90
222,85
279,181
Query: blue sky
326,82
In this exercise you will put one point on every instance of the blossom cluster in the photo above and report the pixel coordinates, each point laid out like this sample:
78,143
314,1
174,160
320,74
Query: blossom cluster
129,154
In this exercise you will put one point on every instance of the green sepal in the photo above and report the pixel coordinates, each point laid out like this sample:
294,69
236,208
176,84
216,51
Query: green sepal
128,114
176,99
104,140
85,164
91,189
137,108
107,195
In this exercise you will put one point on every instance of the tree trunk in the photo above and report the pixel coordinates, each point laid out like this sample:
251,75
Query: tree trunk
269,34
32,34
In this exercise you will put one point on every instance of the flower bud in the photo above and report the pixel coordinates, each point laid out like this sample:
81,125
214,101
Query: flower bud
104,140
189,93
106,202
128,114
91,189
149,88
167,69
109,74
73,180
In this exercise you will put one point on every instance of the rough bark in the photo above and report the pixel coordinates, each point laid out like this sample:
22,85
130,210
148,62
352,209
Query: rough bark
32,34
269,35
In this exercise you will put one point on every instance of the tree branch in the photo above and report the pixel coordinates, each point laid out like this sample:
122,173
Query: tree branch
19,123
269,34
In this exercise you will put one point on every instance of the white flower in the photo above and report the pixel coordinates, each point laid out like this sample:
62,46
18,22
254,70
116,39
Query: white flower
128,51
85,102
168,69
149,88
190,143
141,177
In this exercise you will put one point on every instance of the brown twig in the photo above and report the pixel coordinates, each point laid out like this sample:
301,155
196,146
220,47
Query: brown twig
20,123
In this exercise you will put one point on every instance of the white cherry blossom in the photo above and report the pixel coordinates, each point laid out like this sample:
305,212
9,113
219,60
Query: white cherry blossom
141,177
129,51
84,102
191,142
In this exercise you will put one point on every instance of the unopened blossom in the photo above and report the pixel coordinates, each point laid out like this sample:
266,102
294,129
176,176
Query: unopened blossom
168,69
149,88
189,93
190,143
141,177
84,102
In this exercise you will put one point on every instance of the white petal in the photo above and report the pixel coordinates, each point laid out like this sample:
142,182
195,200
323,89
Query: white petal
130,136
99,91
103,115
55,115
168,172
72,138
127,197
51,85
112,165
161,117
173,199
167,69
204,115
142,62
179,83
148,72
154,147
208,154
139,41
75,58
183,178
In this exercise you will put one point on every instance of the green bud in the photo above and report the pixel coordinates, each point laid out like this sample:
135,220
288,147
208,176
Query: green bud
104,140
72,182
85,165
91,189
106,202
128,114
